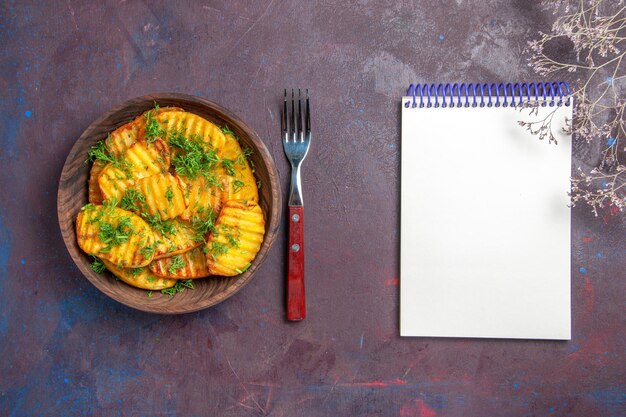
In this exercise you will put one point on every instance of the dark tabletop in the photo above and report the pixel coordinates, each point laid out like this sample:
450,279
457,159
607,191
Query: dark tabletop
67,349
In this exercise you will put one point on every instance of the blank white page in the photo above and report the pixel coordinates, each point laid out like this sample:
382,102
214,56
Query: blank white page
485,224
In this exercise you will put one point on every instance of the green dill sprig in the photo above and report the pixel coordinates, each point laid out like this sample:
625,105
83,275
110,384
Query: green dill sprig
100,151
165,227
242,158
133,200
238,185
196,159
154,130
148,250
180,286
169,194
177,263
244,269
217,249
97,265
227,131
115,235
202,226
229,166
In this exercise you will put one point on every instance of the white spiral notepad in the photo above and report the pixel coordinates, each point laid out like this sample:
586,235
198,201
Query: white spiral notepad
485,222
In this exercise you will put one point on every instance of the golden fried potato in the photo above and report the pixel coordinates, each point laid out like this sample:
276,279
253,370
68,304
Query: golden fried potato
140,277
95,195
124,136
174,121
235,173
237,238
139,161
115,235
174,237
201,198
191,264
164,195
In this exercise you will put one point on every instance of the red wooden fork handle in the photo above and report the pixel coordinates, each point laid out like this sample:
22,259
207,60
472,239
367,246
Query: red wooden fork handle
296,306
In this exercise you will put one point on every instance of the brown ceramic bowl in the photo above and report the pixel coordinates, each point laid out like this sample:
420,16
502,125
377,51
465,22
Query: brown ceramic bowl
73,195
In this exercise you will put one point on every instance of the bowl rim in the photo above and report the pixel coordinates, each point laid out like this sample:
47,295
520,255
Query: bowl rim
275,200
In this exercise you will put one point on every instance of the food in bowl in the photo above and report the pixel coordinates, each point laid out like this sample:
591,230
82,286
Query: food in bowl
172,198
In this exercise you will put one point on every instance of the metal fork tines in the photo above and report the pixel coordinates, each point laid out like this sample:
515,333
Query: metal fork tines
296,141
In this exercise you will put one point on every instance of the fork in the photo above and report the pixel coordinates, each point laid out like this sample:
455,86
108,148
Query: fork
296,145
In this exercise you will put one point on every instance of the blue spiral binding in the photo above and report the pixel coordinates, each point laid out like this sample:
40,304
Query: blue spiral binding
460,95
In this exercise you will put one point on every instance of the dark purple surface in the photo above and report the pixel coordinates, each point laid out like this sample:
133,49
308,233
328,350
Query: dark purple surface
68,350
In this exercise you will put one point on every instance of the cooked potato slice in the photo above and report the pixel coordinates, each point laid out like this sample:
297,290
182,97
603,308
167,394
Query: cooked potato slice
191,264
164,195
124,136
112,184
237,238
115,235
139,161
95,195
174,237
201,197
238,189
235,173
140,277
174,121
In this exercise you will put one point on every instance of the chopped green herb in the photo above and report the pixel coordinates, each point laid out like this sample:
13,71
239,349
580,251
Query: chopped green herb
110,204
116,235
154,130
226,130
148,251
202,226
180,286
133,200
217,249
237,185
135,272
177,263
100,151
197,158
165,227
98,266
149,294
169,194
258,184
229,166
243,157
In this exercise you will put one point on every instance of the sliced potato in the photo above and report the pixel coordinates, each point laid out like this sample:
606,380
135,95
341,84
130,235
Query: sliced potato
140,277
235,173
201,198
124,136
191,264
177,238
115,235
164,195
239,189
237,238
174,121
139,161
95,195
